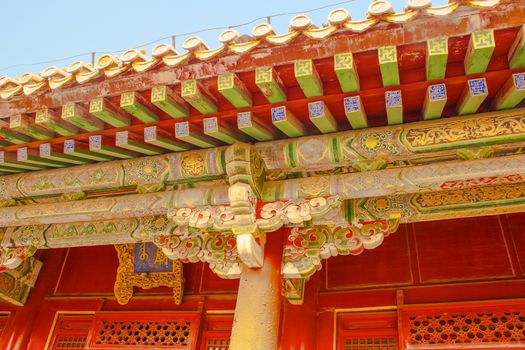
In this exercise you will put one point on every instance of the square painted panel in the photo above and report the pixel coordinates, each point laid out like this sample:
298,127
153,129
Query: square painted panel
351,104
278,114
477,87
519,81
244,119
438,92
316,109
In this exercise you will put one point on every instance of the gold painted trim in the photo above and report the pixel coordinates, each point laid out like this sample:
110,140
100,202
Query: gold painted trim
219,312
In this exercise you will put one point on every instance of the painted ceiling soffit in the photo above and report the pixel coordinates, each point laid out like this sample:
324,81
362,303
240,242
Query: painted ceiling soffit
108,66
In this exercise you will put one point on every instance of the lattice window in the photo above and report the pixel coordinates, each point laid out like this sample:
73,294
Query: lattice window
144,330
65,343
163,334
70,332
468,328
370,343
218,344
367,331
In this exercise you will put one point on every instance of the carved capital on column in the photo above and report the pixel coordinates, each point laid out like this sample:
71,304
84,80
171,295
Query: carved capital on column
245,165
246,173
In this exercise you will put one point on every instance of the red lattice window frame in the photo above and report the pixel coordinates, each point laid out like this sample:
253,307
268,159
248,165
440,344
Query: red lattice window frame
216,332
364,331
488,325
144,330
70,332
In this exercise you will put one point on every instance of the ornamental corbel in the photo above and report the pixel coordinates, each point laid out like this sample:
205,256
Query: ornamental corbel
208,218
305,248
219,250
13,257
297,212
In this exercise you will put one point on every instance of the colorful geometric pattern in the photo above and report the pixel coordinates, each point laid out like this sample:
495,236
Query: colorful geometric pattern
519,81
316,109
438,92
477,87
182,129
95,142
393,98
351,104
278,114
244,119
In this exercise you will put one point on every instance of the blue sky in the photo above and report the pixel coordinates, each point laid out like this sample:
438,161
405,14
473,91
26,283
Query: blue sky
36,31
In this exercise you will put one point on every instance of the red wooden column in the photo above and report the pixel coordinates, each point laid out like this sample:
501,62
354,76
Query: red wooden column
299,328
258,308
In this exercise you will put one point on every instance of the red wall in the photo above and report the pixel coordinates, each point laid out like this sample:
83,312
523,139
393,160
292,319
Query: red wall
426,263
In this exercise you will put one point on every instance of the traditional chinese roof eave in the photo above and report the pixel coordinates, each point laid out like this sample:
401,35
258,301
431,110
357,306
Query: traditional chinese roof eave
463,21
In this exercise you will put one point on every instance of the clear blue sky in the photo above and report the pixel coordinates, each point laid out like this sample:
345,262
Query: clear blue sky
36,31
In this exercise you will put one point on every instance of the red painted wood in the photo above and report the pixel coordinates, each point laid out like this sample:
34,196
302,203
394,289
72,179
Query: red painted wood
388,265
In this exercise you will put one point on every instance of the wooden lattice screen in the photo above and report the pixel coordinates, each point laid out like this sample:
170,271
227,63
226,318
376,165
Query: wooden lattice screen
144,330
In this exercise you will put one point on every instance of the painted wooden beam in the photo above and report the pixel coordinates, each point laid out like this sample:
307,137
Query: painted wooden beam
355,112
234,90
516,53
81,150
437,58
9,160
286,121
32,156
344,66
8,170
163,139
195,94
14,137
4,143
474,93
54,152
511,93
50,120
132,142
321,117
270,84
102,145
76,114
191,133
250,125
479,52
388,65
168,101
24,125
136,105
108,113
212,127
394,107
308,78
435,101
